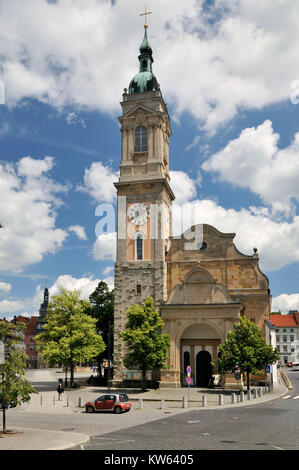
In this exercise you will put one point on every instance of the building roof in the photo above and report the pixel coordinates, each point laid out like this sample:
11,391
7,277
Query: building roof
284,320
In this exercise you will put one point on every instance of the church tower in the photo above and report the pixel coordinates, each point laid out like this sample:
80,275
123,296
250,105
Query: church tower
144,198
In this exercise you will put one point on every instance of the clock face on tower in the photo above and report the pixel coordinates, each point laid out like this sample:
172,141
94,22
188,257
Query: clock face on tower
138,213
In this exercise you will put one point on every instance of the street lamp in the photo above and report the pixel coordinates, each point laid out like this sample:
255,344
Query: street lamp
109,369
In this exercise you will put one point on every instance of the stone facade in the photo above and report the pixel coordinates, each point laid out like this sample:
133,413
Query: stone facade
144,179
208,287
200,282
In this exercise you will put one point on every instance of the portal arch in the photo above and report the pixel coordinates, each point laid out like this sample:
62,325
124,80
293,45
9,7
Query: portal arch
199,342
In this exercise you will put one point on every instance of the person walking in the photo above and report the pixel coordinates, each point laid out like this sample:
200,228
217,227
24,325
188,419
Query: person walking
60,388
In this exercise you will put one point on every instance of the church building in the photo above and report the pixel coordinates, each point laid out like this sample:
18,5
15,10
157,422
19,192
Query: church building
201,284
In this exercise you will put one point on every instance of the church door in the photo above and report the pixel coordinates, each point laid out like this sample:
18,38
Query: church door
203,368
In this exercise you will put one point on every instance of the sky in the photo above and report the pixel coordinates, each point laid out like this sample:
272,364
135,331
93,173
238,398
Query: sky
229,73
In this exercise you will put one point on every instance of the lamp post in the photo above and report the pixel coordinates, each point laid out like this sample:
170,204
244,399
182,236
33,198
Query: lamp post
109,369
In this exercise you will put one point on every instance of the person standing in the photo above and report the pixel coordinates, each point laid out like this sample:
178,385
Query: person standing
60,388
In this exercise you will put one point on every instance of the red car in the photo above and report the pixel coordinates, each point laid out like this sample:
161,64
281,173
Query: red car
289,364
117,402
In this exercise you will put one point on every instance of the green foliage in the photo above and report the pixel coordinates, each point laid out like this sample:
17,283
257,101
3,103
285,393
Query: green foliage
14,388
245,347
70,336
147,346
102,309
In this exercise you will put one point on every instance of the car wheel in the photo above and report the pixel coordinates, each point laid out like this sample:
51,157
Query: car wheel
117,410
89,409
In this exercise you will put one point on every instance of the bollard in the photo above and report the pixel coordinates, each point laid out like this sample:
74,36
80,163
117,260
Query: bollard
259,392
233,398
241,396
185,402
54,400
67,401
163,404
41,399
140,403
204,400
254,393
80,402
248,395
220,399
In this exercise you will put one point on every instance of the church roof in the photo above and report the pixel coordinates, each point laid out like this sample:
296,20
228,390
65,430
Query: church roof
145,80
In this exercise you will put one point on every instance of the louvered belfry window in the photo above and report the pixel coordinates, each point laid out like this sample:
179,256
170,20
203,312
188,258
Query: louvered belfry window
141,139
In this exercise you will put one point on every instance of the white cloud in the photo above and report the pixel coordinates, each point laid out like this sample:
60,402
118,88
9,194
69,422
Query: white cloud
8,306
30,306
73,118
104,248
183,186
285,302
107,270
83,54
5,287
79,231
28,213
254,161
86,285
98,182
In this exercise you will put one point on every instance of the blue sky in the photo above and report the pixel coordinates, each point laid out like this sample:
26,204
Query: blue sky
228,73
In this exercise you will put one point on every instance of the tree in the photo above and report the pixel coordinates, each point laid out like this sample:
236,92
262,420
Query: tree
147,346
14,388
70,336
102,308
246,348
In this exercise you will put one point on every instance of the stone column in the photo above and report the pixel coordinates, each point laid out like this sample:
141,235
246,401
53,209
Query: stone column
192,360
150,142
130,143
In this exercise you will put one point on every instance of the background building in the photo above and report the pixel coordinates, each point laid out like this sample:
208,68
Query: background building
287,336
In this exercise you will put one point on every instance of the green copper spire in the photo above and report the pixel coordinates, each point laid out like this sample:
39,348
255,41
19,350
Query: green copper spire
145,80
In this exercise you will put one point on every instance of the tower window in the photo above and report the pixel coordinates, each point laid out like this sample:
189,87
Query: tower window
141,139
139,247
138,289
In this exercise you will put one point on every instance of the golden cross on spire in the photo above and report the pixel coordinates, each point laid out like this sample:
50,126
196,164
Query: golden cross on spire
145,14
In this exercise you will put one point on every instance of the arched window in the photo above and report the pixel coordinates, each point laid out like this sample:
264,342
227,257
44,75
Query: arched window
139,247
141,139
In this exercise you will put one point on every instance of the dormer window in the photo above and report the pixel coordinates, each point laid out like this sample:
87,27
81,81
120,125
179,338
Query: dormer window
141,139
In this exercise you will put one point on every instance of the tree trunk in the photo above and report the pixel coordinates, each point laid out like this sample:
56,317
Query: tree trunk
143,380
72,375
248,380
3,418
99,374
65,381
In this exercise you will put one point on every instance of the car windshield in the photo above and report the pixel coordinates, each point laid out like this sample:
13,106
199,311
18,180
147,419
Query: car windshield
102,398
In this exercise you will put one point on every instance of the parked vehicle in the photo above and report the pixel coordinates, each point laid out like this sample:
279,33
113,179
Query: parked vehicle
295,366
117,402
289,364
